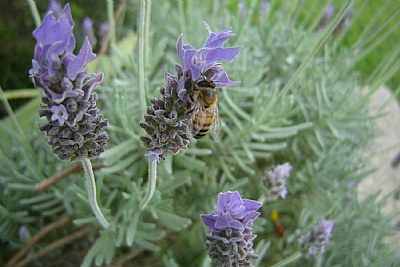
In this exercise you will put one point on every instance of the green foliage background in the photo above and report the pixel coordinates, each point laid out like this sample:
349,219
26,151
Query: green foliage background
298,102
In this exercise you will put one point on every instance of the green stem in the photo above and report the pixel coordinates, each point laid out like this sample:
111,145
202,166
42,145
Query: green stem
21,93
147,37
35,12
111,20
91,184
141,67
286,261
151,184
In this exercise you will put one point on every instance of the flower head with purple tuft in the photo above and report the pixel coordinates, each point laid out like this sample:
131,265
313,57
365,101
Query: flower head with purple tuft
168,120
74,122
230,242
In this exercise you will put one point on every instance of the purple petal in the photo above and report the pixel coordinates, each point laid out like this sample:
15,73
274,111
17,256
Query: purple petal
90,82
209,221
87,25
178,70
179,48
180,89
67,12
223,81
196,71
251,205
223,199
51,30
235,205
78,63
251,216
216,39
169,77
58,98
59,113
325,226
221,54
187,59
185,53
208,58
220,203
226,220
235,198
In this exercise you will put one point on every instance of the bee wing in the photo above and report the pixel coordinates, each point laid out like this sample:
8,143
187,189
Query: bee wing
216,126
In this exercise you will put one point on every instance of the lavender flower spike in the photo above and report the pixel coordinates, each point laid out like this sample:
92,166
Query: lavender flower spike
274,181
230,242
87,26
326,16
74,124
168,120
316,241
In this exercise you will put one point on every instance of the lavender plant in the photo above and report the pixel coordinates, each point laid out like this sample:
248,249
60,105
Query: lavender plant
168,121
326,16
274,181
74,123
316,241
231,240
297,102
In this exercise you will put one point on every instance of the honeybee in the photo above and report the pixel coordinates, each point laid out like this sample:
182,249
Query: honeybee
205,113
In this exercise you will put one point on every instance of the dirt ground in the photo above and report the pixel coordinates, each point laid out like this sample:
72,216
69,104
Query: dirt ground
382,153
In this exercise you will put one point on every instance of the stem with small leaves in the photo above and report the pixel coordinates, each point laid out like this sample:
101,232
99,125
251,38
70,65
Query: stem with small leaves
151,184
35,12
111,21
141,57
91,186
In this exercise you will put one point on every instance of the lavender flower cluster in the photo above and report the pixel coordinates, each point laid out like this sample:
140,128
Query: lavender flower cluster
74,123
315,242
168,120
274,181
230,242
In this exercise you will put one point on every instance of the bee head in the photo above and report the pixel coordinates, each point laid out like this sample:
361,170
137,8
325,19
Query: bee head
204,82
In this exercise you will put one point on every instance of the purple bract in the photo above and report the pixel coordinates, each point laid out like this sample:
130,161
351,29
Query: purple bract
315,242
232,211
206,62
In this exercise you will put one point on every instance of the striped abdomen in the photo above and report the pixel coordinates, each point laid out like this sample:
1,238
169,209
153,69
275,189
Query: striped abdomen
202,121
